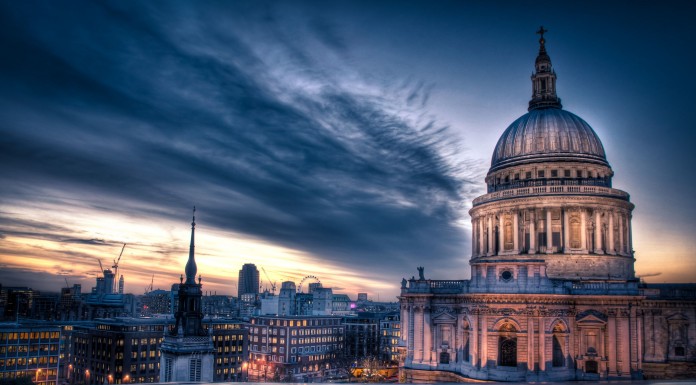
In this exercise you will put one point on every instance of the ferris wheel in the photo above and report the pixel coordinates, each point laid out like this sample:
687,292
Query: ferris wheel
311,278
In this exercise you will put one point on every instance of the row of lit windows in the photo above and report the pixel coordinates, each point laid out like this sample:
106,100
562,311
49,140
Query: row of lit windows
144,367
144,354
228,349
145,341
227,338
43,348
227,360
28,361
291,323
12,337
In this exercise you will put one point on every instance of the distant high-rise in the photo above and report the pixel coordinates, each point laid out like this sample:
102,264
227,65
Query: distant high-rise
248,280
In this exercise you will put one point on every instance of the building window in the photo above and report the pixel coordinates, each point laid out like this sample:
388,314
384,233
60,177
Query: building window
558,359
540,173
528,175
554,173
507,351
506,275
566,173
195,370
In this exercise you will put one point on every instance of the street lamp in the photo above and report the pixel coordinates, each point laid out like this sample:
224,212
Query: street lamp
111,378
87,377
126,379
245,365
37,375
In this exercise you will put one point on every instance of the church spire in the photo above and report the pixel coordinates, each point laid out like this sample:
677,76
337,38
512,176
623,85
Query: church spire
191,268
543,79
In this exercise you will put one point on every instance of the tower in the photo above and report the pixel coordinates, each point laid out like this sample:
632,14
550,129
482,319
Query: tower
248,280
187,350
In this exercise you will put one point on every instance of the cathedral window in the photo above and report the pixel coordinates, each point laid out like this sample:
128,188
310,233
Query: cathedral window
507,351
506,276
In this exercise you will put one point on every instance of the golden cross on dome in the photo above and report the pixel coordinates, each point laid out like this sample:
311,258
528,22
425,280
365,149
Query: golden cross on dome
541,32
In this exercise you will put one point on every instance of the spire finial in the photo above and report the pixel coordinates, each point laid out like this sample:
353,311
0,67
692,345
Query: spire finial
191,268
541,32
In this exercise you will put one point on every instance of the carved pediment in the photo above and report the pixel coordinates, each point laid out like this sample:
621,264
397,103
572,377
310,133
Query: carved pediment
443,316
678,317
591,317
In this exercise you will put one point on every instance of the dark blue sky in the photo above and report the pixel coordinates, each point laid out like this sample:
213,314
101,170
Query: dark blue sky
351,136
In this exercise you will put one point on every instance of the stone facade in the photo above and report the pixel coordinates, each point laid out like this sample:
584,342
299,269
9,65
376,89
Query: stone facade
552,295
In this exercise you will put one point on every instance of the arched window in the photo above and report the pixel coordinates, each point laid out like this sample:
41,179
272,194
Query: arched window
507,351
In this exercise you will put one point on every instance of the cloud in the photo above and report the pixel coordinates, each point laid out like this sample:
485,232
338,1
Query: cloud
146,111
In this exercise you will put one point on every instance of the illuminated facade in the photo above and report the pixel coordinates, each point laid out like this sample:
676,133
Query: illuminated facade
30,351
294,348
553,294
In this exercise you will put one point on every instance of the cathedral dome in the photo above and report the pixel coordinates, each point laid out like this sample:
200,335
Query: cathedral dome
548,134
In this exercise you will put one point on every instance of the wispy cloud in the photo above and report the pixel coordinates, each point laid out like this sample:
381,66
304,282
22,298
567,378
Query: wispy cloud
146,111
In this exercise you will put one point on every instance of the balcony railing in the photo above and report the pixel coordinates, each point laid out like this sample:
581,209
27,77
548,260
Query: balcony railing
552,190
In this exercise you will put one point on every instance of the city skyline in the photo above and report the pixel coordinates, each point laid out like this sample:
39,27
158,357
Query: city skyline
341,140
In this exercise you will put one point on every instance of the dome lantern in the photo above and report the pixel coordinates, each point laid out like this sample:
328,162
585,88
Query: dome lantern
544,79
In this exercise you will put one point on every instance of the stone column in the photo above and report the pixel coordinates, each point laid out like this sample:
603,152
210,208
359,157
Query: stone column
516,234
427,336
501,234
611,347
474,341
418,340
530,344
484,342
622,224
566,231
583,230
474,238
598,234
411,333
548,232
610,247
625,343
404,323
629,246
491,236
542,344
482,245
532,233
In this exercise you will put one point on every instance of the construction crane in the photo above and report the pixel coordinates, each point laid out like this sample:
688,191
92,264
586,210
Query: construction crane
149,287
115,267
273,284
67,285
101,268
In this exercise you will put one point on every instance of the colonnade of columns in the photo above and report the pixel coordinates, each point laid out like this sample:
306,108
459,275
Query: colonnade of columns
558,229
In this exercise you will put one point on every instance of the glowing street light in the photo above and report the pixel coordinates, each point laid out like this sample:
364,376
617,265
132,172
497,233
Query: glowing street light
38,371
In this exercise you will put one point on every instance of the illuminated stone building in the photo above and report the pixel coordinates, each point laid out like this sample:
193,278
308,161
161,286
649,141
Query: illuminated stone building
552,295
30,350
294,348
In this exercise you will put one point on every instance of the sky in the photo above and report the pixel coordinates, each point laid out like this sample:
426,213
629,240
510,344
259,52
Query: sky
341,139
